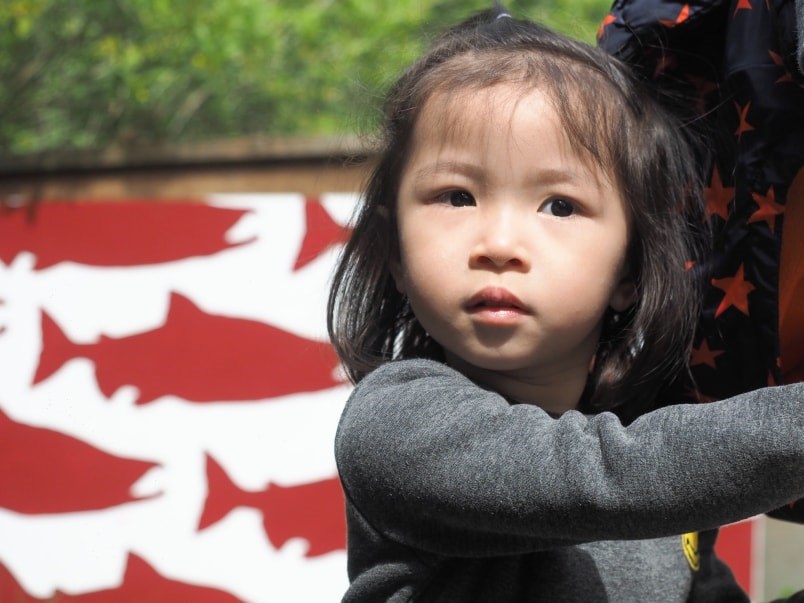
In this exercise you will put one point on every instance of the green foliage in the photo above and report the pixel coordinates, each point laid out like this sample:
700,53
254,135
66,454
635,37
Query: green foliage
86,74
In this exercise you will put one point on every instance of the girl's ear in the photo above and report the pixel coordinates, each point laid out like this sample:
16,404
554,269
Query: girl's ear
624,295
396,274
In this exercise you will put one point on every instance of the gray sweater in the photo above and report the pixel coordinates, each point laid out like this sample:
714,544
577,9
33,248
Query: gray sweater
454,494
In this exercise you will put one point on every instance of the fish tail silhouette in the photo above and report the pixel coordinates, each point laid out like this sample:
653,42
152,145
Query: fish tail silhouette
223,495
57,349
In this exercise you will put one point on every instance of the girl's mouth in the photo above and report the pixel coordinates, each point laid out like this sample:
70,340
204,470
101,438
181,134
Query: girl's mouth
495,299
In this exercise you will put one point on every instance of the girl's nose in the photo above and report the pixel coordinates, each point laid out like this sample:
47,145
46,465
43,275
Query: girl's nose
500,243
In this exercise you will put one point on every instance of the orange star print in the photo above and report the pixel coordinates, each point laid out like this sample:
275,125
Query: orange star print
683,15
717,197
736,290
768,209
609,19
779,61
744,125
704,87
704,355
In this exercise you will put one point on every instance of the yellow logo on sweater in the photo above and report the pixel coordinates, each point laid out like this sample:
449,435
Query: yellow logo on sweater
689,544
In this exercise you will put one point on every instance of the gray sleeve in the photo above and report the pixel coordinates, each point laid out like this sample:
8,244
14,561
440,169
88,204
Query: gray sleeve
434,462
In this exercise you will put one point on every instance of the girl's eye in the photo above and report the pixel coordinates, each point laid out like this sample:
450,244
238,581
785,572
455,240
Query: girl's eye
560,208
457,198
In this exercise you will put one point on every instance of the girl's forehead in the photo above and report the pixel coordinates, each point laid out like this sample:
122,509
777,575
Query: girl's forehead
468,104
522,116
479,114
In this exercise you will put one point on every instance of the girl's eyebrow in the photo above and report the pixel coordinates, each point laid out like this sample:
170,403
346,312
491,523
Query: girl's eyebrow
469,170
541,176
548,176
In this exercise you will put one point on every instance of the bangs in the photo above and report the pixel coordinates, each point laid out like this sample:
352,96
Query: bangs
595,114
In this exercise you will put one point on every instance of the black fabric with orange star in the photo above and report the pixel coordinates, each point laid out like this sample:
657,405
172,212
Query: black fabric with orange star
733,64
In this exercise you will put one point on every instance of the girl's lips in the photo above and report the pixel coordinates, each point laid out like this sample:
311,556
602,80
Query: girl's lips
495,298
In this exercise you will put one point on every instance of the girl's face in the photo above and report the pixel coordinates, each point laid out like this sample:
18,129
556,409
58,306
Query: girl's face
512,246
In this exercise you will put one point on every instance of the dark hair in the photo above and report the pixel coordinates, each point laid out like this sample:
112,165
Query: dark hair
610,117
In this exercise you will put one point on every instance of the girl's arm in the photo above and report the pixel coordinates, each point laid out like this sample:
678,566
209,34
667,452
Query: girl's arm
432,461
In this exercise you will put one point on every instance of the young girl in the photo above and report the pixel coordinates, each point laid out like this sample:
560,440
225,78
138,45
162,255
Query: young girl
516,271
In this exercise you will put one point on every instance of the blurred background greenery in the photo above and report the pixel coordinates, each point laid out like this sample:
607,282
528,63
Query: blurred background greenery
90,74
